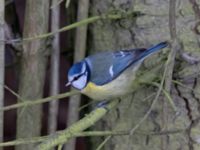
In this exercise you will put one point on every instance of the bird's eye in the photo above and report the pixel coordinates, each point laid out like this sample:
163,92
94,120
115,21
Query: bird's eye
75,78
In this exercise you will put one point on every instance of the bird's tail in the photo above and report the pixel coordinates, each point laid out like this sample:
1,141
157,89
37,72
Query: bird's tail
153,49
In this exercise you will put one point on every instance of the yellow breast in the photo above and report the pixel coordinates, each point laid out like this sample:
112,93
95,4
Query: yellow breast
118,87
91,87
96,92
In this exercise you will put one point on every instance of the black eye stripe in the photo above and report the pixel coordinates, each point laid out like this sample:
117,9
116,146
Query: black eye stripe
76,78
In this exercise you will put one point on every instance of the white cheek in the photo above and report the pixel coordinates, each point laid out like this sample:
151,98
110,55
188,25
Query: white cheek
80,83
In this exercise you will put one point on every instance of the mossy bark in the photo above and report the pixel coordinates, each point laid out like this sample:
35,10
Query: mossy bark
150,29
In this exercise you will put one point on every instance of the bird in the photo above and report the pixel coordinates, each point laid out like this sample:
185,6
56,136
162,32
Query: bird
109,74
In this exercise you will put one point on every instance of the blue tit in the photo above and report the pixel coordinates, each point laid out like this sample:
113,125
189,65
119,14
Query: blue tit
110,74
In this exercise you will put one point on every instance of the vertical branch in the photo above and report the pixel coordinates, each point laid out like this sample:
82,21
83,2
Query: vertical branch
55,61
80,48
170,67
33,68
172,18
2,65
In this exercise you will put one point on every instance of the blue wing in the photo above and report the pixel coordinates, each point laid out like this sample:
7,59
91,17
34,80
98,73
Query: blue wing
106,66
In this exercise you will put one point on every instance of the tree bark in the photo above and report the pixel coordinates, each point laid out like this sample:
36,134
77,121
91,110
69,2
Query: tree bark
150,29
2,64
33,67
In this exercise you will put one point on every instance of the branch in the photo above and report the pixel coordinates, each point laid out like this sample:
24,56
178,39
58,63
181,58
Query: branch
169,67
172,18
81,23
79,126
12,92
103,143
55,65
91,134
38,101
67,3
2,64
142,77
152,105
171,58
185,86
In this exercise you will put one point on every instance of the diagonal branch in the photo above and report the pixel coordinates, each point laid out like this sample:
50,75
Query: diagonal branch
79,126
80,23
38,101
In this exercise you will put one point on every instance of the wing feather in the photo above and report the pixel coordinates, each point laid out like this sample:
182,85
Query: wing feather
106,66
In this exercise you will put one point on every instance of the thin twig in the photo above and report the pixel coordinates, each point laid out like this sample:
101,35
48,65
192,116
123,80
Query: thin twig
172,55
78,24
60,147
154,101
152,105
67,3
86,105
170,100
172,18
12,92
38,101
103,143
169,67
142,78
168,96
185,86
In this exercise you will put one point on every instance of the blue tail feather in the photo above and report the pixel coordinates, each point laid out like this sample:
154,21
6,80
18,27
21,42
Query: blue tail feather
154,49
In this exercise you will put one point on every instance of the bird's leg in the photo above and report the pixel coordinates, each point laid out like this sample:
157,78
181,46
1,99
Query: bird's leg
102,104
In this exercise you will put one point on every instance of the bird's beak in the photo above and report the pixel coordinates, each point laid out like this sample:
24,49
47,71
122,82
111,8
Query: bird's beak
68,84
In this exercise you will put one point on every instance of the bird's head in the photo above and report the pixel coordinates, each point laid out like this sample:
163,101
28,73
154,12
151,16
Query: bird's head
78,75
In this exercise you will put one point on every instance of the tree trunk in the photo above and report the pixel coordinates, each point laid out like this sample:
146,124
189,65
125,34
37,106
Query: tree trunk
33,66
150,29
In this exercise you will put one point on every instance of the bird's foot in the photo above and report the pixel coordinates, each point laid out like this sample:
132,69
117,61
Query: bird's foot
102,104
